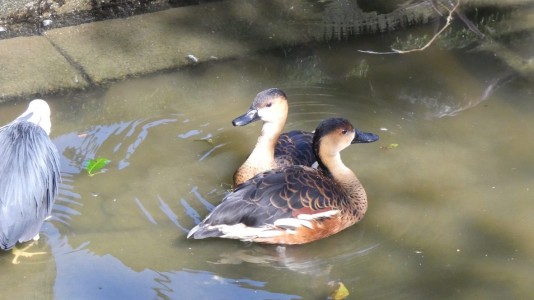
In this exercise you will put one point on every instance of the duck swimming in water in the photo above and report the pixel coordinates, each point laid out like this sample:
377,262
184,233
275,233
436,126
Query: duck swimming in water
296,204
29,176
273,149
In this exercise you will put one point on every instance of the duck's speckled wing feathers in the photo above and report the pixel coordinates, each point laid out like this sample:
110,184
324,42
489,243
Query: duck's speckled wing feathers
271,203
294,148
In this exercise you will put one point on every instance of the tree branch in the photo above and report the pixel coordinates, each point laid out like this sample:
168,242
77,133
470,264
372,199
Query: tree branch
447,24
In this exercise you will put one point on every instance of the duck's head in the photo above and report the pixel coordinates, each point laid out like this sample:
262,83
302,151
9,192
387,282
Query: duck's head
335,134
270,106
38,112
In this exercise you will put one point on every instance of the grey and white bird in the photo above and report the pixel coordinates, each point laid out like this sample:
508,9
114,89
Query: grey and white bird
29,176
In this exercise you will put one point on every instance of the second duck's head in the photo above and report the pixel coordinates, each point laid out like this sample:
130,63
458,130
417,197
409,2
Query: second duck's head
335,134
270,106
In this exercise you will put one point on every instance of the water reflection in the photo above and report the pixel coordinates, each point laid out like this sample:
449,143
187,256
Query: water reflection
82,274
449,213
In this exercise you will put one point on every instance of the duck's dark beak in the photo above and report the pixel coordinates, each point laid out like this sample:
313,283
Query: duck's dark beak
364,137
250,116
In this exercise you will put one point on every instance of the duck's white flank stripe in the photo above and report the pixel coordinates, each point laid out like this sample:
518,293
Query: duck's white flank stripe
324,214
293,223
280,226
242,232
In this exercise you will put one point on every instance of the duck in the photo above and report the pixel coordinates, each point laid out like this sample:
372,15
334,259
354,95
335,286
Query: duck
296,204
29,176
273,149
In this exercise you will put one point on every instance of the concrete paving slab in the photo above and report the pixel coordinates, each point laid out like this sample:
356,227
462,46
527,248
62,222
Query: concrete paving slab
115,49
94,53
31,65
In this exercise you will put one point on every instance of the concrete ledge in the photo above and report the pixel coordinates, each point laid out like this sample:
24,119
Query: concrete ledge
31,65
95,53
115,49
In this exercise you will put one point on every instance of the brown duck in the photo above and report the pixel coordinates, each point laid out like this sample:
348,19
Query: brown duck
295,204
273,149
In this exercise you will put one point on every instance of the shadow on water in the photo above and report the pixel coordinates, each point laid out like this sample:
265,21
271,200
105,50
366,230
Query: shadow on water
449,213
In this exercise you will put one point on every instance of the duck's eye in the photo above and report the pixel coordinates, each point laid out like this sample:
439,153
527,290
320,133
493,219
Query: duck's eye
269,104
344,131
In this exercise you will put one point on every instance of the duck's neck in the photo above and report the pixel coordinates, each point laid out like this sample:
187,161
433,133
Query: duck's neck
348,181
263,153
262,157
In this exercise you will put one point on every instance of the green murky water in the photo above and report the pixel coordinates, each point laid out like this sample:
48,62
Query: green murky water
450,212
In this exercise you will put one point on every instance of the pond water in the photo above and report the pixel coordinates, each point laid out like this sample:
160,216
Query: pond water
450,183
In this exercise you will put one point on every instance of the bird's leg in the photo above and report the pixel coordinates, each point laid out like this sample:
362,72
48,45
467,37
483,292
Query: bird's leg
22,252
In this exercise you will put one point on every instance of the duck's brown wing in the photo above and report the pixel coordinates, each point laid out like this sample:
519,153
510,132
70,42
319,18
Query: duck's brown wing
272,196
294,148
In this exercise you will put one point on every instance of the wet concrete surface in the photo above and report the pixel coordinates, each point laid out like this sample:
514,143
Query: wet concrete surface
31,65
75,57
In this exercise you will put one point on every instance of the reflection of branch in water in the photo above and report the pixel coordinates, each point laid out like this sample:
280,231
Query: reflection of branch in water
497,83
211,151
450,111
439,108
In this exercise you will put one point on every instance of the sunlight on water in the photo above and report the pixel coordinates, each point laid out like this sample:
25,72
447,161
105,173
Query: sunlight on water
449,214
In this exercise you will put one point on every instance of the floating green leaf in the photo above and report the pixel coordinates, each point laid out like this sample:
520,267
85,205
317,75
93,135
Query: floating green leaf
341,292
390,146
93,166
